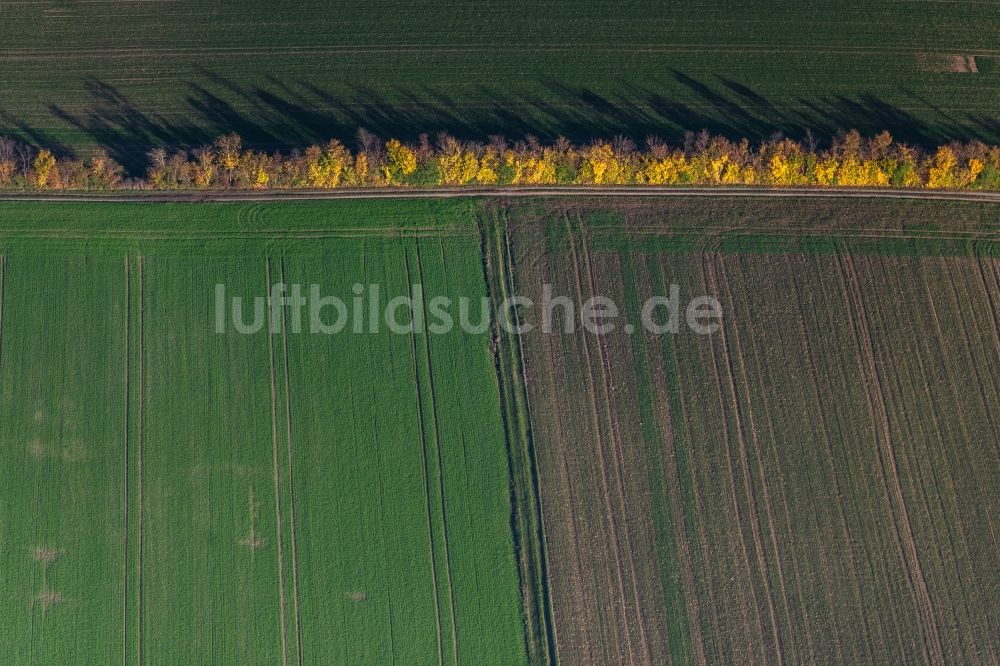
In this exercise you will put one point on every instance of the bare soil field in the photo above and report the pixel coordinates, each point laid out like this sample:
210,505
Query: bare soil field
810,483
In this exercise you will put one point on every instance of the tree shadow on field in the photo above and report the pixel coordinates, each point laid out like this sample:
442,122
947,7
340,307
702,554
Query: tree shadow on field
290,114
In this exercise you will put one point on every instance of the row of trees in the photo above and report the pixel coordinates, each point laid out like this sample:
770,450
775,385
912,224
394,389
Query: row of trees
850,160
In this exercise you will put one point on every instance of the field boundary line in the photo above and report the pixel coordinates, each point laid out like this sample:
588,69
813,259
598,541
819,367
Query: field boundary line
887,458
426,474
497,253
440,465
595,418
614,426
291,482
515,192
277,468
521,373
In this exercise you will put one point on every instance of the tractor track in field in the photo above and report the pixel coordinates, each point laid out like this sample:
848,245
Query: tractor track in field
748,598
755,436
825,418
623,191
991,294
742,421
618,451
981,384
425,471
440,465
602,464
699,535
199,52
906,543
222,235
291,482
277,469
669,431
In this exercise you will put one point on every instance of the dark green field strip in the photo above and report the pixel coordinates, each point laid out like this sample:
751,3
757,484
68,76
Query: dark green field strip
364,530
61,513
475,477
223,219
181,72
383,477
387,23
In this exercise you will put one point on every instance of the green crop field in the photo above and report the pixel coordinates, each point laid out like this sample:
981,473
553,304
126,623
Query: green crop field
287,498
810,483
129,75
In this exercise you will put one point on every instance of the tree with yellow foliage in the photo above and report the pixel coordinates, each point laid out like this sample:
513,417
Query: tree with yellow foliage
596,163
361,169
457,164
941,173
325,168
850,161
44,165
489,164
401,163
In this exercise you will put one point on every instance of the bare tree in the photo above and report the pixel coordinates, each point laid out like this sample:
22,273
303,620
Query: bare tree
367,141
622,145
7,148
810,140
24,155
498,142
657,147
